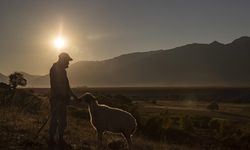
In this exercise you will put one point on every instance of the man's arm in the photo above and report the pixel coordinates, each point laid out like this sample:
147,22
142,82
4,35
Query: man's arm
71,93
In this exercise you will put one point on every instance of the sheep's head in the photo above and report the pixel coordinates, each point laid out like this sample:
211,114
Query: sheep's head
88,98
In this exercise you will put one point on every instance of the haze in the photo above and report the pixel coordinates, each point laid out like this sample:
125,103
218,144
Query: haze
98,30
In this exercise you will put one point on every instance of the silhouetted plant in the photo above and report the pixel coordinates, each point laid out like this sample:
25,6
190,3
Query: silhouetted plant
4,92
16,79
187,124
154,102
215,124
4,87
227,128
213,106
155,125
245,140
174,122
26,101
117,144
201,121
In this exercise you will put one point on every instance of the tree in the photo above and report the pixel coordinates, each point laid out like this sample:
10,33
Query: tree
16,79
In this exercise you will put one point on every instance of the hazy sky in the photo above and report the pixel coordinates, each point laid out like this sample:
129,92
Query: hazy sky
102,29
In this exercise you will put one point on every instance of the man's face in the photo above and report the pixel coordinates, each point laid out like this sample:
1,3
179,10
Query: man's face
65,63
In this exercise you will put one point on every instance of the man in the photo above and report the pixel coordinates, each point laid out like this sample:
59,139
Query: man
60,96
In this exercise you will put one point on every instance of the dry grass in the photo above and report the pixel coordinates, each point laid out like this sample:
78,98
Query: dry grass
18,129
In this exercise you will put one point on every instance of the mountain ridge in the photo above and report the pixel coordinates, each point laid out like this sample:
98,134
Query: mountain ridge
213,64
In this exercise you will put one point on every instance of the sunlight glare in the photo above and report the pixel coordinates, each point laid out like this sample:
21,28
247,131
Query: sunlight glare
59,43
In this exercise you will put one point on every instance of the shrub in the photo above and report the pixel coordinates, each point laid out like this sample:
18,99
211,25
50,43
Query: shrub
245,140
228,128
156,129
178,136
175,122
26,101
213,106
187,124
154,102
117,144
214,124
16,79
201,121
155,125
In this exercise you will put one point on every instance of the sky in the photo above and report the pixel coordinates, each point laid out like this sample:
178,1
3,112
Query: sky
103,29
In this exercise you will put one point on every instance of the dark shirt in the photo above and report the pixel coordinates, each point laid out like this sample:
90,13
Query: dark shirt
59,82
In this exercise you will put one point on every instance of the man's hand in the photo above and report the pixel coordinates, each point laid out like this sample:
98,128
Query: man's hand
76,98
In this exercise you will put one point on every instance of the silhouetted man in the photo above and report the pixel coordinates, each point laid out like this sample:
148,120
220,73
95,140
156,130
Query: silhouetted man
60,96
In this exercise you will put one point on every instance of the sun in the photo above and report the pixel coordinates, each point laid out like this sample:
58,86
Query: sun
59,43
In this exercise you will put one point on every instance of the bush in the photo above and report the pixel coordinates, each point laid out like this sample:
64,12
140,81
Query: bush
187,124
245,140
155,125
26,101
179,136
201,121
116,145
175,122
214,124
213,106
228,128
159,128
154,102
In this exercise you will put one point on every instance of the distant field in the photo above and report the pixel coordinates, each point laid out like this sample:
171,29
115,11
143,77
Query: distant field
181,108
234,102
170,93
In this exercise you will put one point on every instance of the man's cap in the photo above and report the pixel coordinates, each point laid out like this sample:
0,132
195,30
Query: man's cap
65,56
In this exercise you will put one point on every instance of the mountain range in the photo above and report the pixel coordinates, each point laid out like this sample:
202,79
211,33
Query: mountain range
3,78
213,64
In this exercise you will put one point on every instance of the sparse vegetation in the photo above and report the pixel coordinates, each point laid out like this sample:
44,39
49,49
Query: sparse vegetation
8,91
169,124
16,79
213,106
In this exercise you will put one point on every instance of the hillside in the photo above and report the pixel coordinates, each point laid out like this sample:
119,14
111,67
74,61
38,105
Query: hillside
3,78
213,64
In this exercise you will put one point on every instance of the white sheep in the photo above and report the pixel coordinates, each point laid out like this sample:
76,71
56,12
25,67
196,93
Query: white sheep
104,118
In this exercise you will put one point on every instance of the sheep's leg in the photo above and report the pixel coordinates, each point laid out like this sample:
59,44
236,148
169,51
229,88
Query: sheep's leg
128,139
99,138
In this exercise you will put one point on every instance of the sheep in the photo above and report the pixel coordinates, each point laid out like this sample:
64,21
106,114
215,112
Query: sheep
104,118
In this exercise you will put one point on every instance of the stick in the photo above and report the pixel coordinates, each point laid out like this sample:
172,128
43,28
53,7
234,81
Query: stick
40,129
